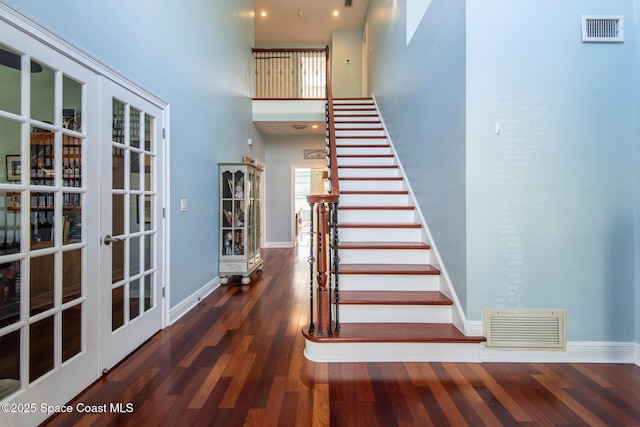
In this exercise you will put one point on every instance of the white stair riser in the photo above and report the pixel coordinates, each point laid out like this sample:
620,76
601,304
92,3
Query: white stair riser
384,256
371,185
368,172
366,161
361,151
357,313
361,141
363,132
358,125
359,101
392,352
380,234
374,200
385,282
391,216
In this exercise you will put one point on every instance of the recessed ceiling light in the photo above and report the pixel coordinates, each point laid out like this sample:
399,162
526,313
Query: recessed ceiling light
336,13
315,126
263,14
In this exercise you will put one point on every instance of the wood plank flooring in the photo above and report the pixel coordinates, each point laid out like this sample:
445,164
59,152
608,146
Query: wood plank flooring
237,360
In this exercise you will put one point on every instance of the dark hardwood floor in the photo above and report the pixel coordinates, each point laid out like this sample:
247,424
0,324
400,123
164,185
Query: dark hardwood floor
237,360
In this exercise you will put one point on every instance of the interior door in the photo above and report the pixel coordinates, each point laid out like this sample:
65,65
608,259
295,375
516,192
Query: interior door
131,222
49,209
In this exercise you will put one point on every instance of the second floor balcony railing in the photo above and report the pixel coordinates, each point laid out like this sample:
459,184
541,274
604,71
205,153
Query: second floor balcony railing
290,73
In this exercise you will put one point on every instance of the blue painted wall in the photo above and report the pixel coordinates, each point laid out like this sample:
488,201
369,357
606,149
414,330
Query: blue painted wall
541,215
637,185
196,55
420,89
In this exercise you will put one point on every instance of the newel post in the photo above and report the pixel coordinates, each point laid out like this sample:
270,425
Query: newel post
322,207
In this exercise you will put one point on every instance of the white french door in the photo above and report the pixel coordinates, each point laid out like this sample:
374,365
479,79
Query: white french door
49,209
131,222
80,158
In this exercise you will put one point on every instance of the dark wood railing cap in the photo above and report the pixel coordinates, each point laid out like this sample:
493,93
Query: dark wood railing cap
323,198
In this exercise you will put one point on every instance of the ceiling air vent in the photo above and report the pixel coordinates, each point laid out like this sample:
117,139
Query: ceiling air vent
602,28
347,3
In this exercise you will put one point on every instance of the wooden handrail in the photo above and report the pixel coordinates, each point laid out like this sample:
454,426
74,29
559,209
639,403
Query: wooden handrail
333,158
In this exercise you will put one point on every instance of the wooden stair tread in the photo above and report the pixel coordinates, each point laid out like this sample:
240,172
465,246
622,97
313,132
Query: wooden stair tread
383,245
374,192
395,332
363,146
379,225
394,298
360,122
420,269
378,207
375,156
368,166
371,178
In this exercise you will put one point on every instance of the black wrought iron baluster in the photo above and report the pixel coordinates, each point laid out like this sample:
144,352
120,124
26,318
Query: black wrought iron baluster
311,263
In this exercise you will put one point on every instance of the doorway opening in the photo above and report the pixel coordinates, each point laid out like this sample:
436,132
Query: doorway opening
307,181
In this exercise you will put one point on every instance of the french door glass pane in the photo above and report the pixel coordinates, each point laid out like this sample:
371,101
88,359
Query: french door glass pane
118,168
134,256
134,128
117,307
71,332
10,145
42,170
41,338
10,81
71,161
71,219
118,122
10,207
117,209
134,215
71,275
9,294
134,299
10,361
43,95
71,104
117,261
41,284
148,251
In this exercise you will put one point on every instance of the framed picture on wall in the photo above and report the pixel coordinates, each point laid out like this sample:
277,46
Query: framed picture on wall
315,153
14,169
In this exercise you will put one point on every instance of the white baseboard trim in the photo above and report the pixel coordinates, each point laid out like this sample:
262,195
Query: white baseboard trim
473,328
637,354
577,352
192,300
279,245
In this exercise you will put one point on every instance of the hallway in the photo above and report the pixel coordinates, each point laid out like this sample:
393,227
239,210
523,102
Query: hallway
237,359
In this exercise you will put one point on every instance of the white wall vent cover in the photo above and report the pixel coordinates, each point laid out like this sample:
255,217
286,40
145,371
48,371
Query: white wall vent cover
602,28
525,329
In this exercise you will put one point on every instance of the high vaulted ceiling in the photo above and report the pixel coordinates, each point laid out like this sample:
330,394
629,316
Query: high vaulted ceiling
306,21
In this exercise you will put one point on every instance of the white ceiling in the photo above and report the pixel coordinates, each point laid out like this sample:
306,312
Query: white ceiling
290,22
306,21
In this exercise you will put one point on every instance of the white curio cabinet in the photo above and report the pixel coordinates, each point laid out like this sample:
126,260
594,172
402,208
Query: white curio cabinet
240,252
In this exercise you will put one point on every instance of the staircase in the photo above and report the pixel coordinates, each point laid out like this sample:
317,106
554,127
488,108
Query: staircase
391,301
